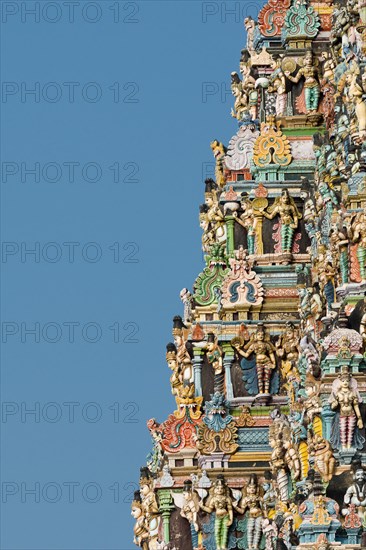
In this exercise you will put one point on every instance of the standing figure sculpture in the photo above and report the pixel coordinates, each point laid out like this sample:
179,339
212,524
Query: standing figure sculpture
278,462
312,87
358,230
247,220
345,398
220,503
214,357
140,530
264,352
190,510
149,507
288,349
252,503
284,207
277,85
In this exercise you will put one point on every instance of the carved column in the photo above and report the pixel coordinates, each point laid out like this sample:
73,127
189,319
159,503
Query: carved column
197,371
327,417
165,508
230,245
228,361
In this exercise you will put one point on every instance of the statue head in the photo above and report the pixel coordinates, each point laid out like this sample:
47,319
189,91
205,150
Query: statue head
136,506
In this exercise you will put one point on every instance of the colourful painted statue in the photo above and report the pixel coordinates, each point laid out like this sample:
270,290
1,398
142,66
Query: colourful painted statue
284,206
311,82
190,510
220,502
249,221
264,352
346,399
252,503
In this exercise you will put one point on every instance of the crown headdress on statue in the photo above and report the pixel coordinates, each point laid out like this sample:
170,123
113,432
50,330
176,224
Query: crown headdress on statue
171,351
145,478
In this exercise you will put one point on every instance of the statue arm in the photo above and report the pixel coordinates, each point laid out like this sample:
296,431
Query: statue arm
358,414
230,510
295,79
208,509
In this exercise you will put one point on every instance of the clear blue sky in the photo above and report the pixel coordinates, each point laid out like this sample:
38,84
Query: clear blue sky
82,300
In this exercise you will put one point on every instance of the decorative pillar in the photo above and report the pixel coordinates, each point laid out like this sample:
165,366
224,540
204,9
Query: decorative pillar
327,417
228,361
258,233
230,245
197,371
165,508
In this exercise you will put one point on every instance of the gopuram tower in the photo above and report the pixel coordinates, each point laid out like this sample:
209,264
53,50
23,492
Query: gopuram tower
266,447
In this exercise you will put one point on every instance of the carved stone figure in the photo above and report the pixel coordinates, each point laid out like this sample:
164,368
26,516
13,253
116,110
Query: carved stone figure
190,510
320,452
214,356
277,84
220,503
247,220
356,493
345,399
140,530
252,503
311,82
285,207
150,507
264,352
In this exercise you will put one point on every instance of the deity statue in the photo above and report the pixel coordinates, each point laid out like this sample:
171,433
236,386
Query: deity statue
245,93
345,398
358,231
214,357
252,503
149,506
219,152
220,502
321,454
339,242
182,356
269,496
288,349
292,458
241,99
140,530
312,404
187,300
278,462
208,235
328,66
176,379
356,94
190,510
264,352
326,274
248,221
284,207
250,26
312,87
277,85
214,214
